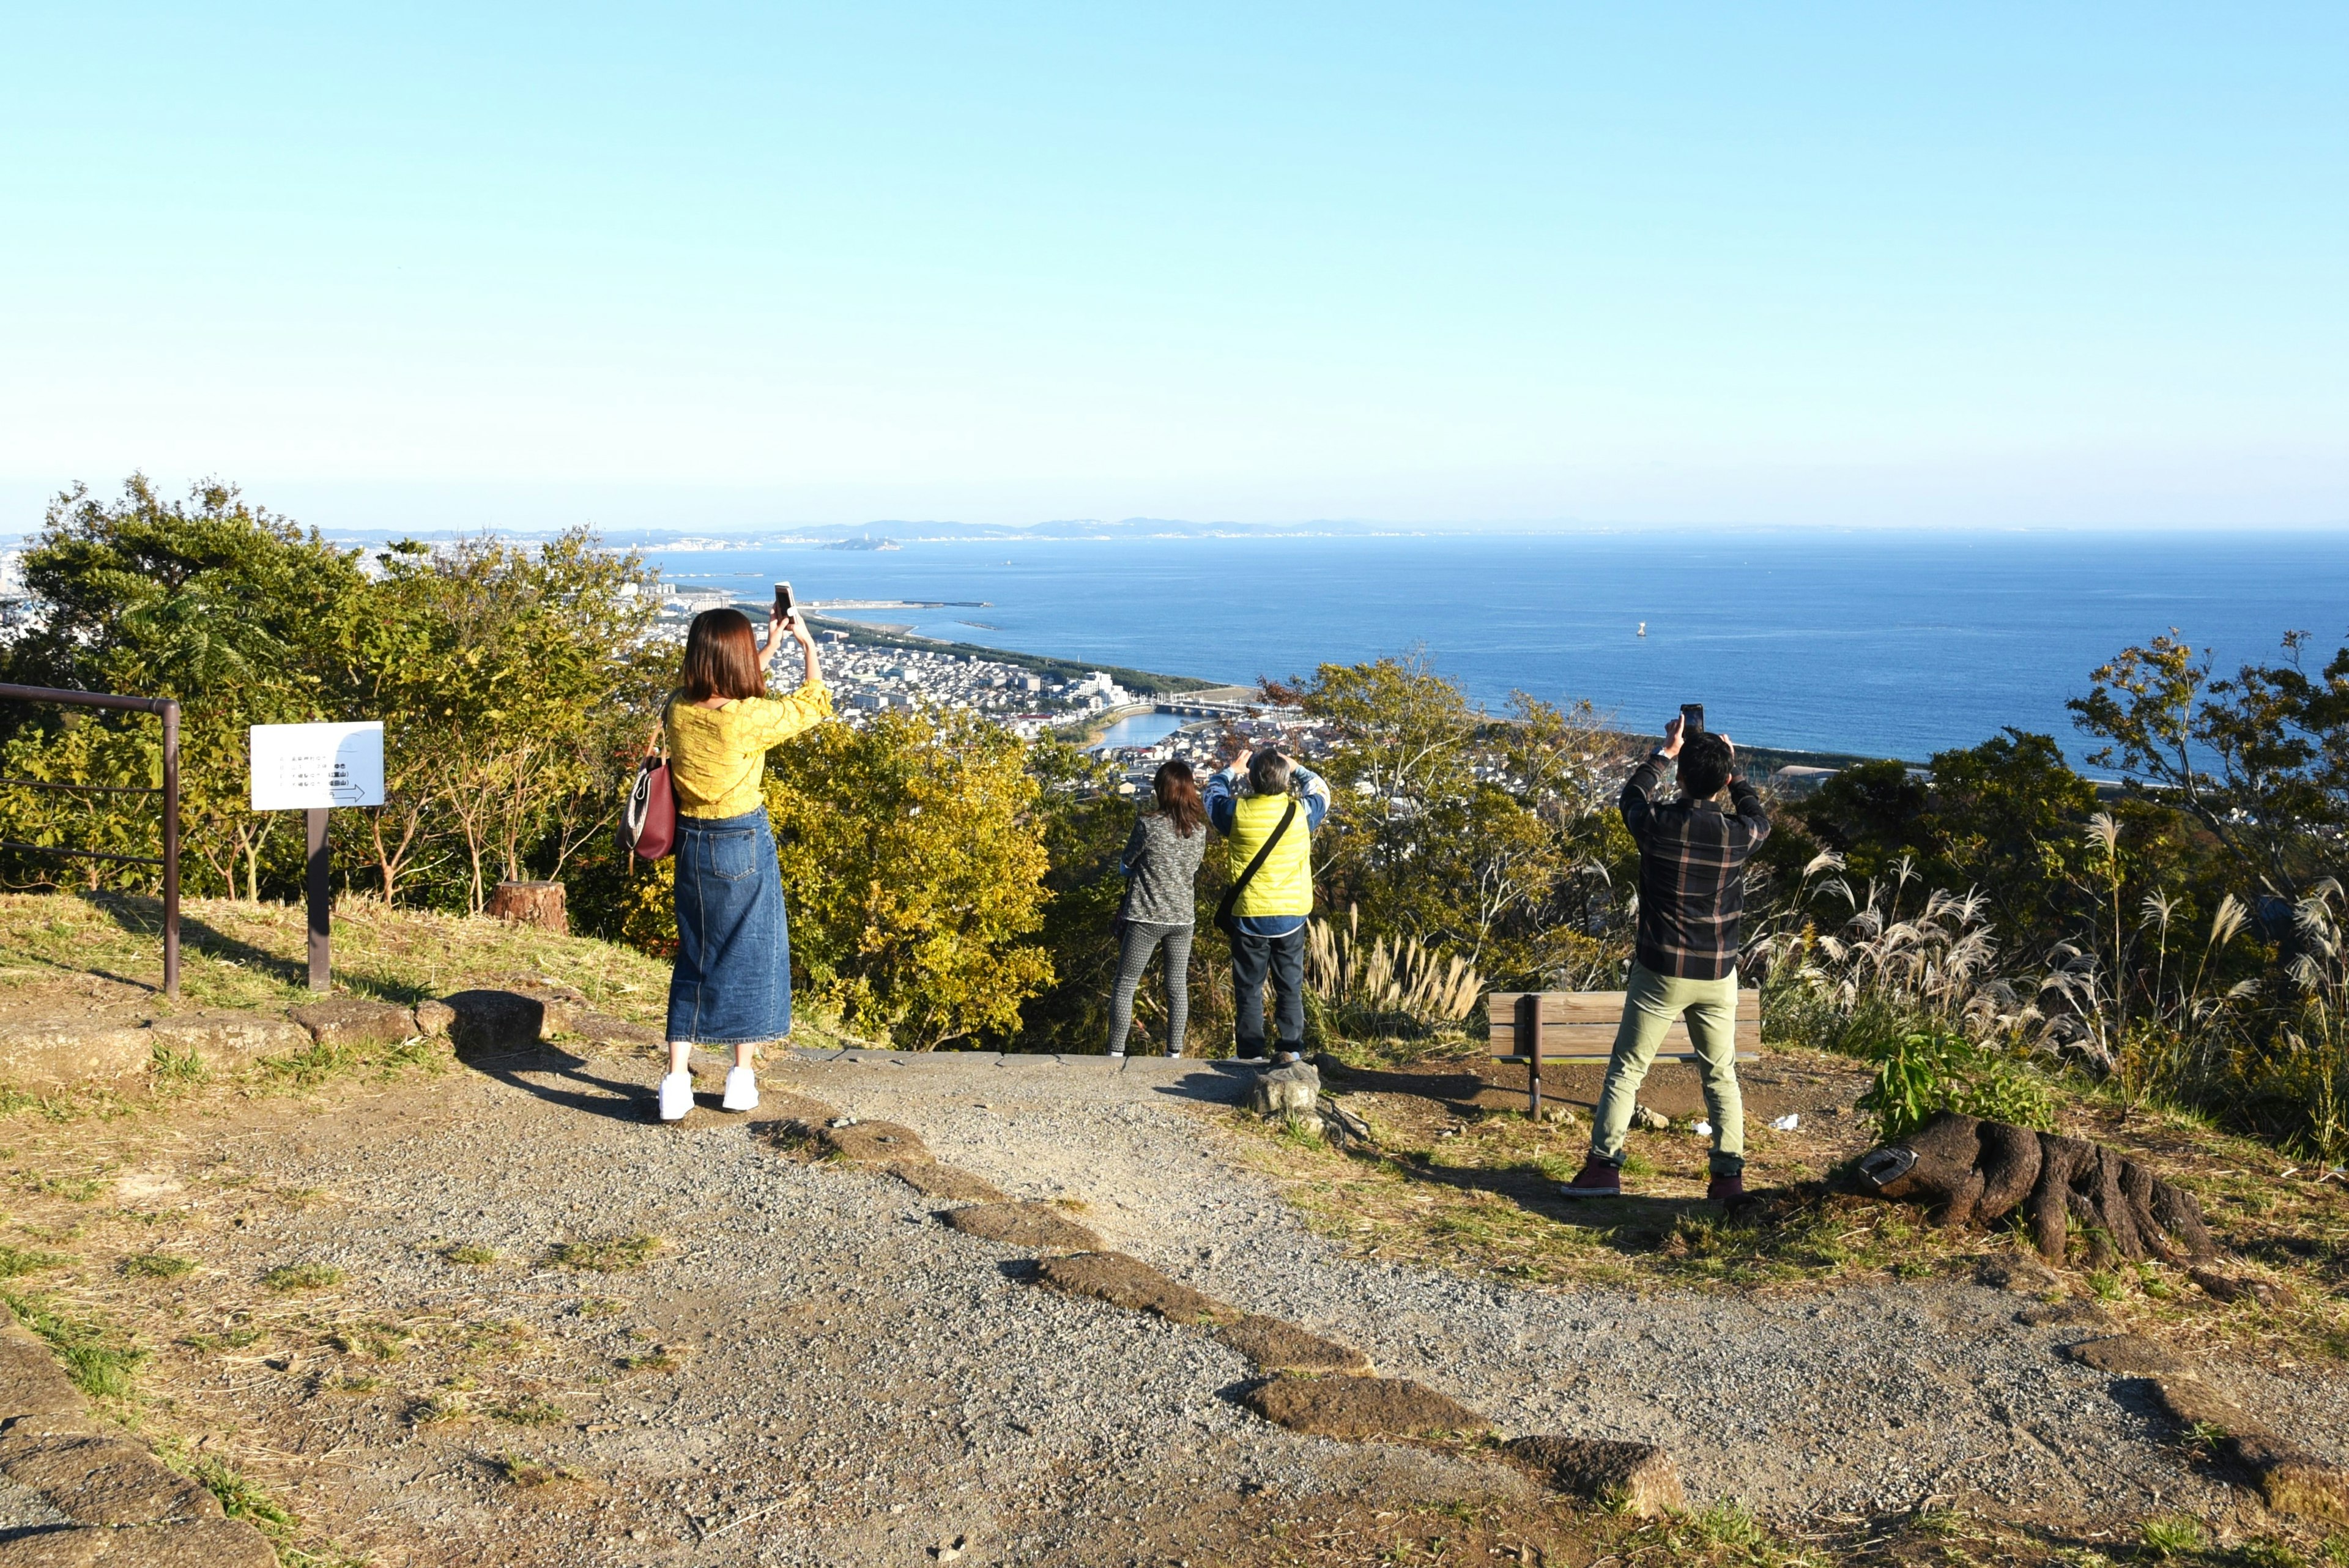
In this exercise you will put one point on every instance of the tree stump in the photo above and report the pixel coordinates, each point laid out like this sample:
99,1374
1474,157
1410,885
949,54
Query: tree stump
1976,1173
536,904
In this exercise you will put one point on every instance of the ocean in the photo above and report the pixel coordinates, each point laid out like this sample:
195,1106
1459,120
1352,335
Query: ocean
1880,643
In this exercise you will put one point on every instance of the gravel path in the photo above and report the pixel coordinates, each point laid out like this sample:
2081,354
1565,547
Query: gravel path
1849,1402
857,1383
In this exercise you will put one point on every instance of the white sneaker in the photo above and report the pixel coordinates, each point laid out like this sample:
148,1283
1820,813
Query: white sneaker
741,1090
675,1097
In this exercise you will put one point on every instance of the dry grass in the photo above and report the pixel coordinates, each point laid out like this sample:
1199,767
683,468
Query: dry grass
108,948
1474,1188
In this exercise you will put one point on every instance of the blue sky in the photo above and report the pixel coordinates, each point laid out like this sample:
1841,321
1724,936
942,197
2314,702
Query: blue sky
1897,265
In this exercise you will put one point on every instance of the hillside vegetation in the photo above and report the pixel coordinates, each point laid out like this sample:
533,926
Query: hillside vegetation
1980,934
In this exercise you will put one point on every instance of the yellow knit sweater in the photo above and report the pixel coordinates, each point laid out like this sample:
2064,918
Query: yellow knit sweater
718,756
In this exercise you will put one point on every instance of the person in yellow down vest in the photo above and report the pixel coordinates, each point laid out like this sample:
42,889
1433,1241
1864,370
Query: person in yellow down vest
1246,803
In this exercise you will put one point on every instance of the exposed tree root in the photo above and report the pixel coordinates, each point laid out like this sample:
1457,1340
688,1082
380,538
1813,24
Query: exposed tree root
1977,1173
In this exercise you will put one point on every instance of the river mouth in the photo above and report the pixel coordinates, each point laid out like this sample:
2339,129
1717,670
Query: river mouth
1138,730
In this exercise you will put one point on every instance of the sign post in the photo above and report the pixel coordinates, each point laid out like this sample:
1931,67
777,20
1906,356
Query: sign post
312,768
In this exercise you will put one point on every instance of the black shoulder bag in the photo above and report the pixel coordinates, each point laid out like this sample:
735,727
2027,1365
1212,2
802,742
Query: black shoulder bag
1224,920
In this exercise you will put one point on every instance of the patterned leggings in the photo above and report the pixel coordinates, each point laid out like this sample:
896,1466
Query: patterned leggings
1133,959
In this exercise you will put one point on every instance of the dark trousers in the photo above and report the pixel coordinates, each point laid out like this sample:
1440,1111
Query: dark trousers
1283,957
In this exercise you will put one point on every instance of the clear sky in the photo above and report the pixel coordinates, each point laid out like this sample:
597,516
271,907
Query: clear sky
1897,265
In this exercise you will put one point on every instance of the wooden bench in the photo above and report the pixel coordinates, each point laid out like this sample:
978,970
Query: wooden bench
1537,1026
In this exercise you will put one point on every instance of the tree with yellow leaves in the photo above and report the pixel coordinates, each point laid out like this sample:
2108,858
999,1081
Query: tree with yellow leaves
913,863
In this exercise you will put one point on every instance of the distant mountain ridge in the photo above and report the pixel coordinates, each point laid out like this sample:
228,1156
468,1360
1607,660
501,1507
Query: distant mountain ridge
906,530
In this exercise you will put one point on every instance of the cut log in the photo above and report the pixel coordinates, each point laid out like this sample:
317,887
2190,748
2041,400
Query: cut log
1973,1173
536,904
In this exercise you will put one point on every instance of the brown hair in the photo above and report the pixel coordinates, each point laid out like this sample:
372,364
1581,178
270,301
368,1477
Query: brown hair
721,658
1178,796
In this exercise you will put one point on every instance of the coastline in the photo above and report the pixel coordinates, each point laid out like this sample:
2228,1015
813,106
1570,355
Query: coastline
1158,685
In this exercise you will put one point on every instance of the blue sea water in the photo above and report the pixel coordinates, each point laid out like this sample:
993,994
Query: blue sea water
1882,643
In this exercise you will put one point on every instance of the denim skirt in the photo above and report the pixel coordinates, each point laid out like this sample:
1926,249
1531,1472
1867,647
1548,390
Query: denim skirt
732,982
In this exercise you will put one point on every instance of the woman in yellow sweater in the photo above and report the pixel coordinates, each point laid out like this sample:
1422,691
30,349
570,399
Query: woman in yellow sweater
733,982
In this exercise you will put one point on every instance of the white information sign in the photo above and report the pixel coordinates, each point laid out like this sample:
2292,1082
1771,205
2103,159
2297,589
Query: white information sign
306,767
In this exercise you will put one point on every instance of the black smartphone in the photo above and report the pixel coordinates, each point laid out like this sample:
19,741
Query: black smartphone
1692,720
783,600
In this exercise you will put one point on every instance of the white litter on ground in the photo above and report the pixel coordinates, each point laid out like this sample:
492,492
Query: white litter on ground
1787,1123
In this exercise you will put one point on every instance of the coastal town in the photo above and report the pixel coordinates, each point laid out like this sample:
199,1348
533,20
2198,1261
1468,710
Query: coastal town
873,671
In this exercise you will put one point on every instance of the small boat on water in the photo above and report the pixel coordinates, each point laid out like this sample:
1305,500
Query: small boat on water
1643,628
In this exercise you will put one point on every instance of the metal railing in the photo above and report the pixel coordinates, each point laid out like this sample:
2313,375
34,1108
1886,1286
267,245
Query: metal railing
168,709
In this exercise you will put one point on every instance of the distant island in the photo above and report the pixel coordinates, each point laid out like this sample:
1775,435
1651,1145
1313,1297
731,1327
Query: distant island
862,541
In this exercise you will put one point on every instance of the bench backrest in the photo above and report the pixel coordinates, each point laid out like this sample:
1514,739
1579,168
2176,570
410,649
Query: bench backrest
1579,1025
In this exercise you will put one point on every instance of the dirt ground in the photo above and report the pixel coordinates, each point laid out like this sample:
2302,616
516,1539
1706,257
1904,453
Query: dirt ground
488,1315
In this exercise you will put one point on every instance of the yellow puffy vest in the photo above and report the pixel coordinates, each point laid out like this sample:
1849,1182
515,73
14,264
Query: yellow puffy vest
1283,883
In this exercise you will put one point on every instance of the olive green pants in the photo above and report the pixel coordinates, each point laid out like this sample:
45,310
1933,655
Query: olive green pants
1650,1003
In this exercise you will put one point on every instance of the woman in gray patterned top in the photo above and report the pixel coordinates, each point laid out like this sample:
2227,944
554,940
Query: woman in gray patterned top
1161,859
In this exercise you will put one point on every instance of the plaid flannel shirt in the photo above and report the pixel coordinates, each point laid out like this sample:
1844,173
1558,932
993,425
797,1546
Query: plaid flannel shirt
1691,873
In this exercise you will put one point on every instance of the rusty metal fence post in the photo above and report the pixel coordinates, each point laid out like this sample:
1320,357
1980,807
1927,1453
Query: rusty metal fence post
167,710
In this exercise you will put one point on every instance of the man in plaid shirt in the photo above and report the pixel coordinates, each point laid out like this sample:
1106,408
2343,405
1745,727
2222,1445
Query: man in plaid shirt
1692,859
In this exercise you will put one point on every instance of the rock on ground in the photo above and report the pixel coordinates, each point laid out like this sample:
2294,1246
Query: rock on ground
1276,1344
1362,1408
1640,1476
1039,1226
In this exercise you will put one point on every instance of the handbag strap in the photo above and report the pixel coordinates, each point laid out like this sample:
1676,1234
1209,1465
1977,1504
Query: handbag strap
1232,894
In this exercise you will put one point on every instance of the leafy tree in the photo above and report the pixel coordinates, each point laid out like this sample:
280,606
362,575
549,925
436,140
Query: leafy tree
1084,822
914,864
2006,816
1874,815
514,683
214,601
2261,760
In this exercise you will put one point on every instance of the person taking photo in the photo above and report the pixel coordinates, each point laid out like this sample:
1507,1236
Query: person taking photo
732,985
1692,859
1267,806
1161,862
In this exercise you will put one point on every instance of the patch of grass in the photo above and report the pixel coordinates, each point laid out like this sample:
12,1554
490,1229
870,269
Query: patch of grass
156,1266
177,1068
612,1255
18,1262
601,1306
660,1358
100,1364
526,1410
493,1336
242,1497
1725,1535
525,1472
1485,1201
239,1338
289,1277
2177,1535
357,1383
72,1189
376,1342
1296,1130
472,1255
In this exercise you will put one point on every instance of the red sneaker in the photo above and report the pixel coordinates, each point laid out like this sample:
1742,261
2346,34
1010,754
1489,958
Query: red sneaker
1596,1179
1725,1188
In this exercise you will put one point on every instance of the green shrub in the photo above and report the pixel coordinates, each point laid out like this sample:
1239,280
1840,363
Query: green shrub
1925,1072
